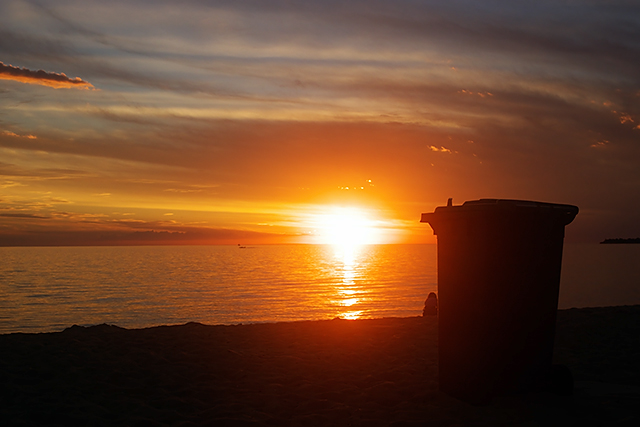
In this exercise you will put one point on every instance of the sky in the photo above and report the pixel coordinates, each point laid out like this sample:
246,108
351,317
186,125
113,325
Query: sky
250,122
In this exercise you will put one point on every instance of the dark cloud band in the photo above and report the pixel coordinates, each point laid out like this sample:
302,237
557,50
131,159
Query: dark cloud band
41,77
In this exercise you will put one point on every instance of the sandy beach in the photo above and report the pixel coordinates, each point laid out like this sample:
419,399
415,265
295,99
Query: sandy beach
375,372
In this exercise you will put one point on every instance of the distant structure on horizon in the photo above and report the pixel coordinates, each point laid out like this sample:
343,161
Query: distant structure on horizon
613,241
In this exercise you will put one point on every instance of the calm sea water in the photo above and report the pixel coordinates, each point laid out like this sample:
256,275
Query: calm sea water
48,289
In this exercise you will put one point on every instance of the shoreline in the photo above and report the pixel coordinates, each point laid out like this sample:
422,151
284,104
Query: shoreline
261,322
266,322
327,372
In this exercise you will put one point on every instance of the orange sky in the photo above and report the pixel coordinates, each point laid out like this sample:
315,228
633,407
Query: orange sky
246,122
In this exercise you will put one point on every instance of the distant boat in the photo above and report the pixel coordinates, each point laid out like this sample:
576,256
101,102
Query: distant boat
241,247
616,241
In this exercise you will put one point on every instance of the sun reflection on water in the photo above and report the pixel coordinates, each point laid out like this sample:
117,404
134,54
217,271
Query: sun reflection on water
348,293
351,315
349,302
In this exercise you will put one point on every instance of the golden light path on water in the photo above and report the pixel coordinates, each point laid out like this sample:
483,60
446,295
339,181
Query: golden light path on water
347,230
349,294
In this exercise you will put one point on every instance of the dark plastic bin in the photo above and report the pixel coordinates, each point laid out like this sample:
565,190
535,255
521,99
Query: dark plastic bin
498,282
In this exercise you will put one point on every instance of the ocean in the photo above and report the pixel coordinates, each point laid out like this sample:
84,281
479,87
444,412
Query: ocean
44,289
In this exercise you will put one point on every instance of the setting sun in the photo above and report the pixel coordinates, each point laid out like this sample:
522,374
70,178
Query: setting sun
347,227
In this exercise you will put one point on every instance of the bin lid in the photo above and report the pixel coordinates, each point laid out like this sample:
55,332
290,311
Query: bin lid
564,213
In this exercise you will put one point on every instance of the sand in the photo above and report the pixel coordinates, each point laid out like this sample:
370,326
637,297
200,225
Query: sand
380,372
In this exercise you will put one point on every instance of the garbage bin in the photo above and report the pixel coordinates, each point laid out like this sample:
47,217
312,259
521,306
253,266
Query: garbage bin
498,282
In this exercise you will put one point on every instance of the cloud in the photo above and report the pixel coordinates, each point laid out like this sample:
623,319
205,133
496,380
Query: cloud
15,135
41,77
440,150
61,52
480,94
114,236
22,215
8,184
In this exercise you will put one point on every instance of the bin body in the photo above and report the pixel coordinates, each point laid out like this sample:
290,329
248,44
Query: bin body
498,283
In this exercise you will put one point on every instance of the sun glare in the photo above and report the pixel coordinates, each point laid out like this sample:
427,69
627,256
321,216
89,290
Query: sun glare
347,227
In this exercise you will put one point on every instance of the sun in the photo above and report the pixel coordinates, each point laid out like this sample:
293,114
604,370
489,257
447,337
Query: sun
347,227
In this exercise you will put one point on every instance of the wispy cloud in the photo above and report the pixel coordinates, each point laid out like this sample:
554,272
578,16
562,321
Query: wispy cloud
41,77
22,215
15,135
440,150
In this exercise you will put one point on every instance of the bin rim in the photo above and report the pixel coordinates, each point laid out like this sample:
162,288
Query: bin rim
563,211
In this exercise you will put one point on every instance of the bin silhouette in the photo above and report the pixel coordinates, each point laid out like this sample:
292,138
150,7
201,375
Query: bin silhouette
498,282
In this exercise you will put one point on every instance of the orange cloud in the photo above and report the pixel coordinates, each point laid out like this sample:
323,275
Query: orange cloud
624,118
441,149
599,144
15,135
41,77
480,94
